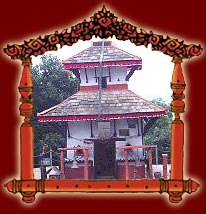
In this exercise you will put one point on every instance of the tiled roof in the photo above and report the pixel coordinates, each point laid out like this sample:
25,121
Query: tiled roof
114,104
112,56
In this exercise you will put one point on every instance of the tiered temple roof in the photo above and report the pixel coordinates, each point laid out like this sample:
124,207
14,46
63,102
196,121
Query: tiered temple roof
112,56
114,104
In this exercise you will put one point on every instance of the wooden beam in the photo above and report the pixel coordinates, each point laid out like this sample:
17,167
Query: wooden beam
62,162
86,173
113,139
110,79
150,162
74,148
91,127
138,128
115,129
164,157
126,164
86,75
95,73
133,147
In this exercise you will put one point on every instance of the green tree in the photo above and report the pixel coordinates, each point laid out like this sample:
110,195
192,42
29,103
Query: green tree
52,85
160,133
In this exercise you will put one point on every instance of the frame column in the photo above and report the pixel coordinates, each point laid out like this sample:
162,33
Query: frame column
177,127
26,130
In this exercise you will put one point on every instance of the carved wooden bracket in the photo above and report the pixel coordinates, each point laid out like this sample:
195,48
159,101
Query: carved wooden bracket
103,24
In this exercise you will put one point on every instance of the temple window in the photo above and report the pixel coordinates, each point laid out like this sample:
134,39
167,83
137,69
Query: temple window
104,82
124,132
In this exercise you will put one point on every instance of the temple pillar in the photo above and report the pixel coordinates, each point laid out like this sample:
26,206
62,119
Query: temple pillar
86,155
126,164
62,163
150,162
164,157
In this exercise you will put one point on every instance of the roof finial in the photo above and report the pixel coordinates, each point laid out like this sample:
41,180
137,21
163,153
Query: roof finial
104,10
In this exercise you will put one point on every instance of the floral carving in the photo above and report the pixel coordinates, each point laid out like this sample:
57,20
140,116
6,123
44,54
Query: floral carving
103,24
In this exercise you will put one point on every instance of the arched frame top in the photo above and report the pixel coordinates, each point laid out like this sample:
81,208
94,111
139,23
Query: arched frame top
103,24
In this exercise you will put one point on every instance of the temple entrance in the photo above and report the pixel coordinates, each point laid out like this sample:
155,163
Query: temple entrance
104,160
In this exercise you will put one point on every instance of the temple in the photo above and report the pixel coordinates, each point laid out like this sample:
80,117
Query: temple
106,121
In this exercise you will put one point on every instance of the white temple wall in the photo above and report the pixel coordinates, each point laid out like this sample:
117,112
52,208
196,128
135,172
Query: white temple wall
118,75
81,130
133,139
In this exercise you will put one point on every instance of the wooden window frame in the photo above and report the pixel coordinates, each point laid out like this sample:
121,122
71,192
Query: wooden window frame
124,132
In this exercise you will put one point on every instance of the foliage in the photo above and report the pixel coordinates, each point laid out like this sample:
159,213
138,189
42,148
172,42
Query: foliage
52,85
160,133
53,142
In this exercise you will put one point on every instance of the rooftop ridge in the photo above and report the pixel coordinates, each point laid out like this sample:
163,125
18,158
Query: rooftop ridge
99,43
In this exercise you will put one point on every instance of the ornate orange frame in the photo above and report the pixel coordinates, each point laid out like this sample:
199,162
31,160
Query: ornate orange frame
103,24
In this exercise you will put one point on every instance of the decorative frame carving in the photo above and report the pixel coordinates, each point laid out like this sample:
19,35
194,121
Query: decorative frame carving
103,24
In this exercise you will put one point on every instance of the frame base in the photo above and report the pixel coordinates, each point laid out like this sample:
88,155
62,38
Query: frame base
175,188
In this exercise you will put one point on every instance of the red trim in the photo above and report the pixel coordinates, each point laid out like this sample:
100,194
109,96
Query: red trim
109,87
104,64
104,116
89,88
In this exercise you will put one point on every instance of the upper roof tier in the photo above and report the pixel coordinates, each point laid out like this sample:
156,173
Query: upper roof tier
112,56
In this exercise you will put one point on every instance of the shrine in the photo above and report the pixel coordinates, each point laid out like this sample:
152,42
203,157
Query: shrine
105,115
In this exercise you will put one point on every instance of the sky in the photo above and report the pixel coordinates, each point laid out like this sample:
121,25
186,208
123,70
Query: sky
151,82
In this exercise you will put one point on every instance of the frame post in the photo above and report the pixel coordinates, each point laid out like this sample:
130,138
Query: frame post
177,106
177,128
26,130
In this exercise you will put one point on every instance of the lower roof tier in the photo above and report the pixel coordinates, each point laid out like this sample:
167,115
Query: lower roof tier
115,104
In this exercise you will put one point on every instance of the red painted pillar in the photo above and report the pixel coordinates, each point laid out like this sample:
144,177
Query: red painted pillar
62,162
86,173
150,162
126,164
26,130
164,157
177,130
177,149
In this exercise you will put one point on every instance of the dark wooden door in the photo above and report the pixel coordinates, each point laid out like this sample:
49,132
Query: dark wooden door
104,160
